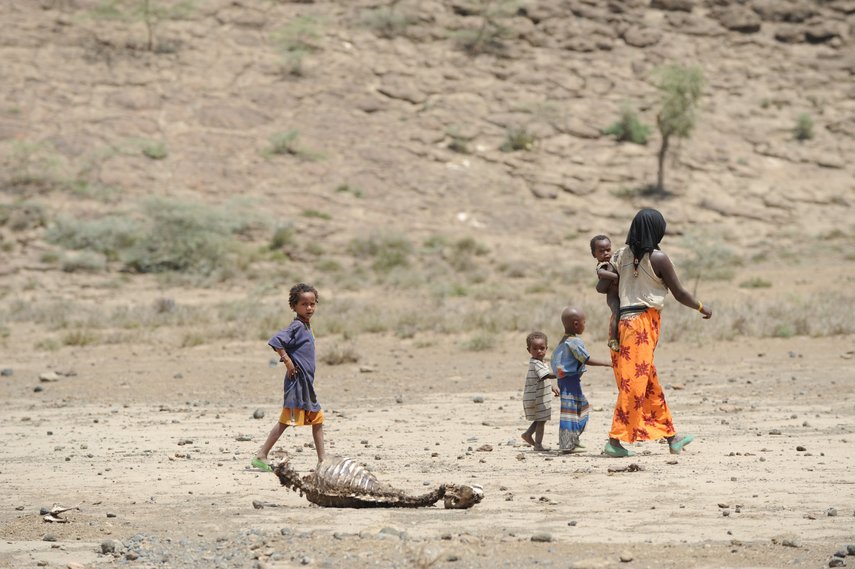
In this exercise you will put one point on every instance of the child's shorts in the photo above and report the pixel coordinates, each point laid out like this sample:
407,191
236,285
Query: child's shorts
300,417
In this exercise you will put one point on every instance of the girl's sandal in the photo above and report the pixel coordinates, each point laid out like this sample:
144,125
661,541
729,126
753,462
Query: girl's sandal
261,465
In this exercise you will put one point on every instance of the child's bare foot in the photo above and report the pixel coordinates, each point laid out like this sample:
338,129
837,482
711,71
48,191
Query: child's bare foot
538,447
528,440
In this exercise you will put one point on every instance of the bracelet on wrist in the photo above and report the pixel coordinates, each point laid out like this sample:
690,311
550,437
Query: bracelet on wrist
700,306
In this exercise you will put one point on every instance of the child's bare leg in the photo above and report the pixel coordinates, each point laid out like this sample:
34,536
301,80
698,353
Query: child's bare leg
272,437
318,436
613,300
538,435
526,436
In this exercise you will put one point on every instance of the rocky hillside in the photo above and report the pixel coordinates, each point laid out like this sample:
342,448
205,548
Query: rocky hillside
468,119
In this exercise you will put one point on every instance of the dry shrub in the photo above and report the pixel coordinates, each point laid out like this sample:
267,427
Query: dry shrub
340,354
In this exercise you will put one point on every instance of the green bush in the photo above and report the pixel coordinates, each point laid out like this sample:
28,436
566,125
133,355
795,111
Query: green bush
313,213
347,188
85,262
155,150
756,282
489,36
282,237
707,258
79,337
517,139
804,127
386,251
149,12
22,216
388,21
109,235
629,128
295,41
287,143
479,342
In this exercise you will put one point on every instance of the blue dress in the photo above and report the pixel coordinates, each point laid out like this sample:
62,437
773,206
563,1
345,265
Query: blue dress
568,365
299,343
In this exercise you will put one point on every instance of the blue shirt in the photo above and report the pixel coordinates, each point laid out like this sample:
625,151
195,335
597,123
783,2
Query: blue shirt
569,357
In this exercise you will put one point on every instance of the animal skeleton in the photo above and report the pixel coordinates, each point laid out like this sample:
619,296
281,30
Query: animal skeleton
339,482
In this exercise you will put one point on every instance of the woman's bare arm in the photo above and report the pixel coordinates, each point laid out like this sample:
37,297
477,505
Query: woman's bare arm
664,269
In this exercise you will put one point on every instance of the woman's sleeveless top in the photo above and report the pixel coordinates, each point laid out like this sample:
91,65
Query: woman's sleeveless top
639,289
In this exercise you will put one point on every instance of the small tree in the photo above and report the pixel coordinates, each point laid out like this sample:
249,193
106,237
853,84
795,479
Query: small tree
151,12
488,36
295,40
680,88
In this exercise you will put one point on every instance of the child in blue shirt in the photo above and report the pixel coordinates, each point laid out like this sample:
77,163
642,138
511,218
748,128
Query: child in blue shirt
296,348
569,360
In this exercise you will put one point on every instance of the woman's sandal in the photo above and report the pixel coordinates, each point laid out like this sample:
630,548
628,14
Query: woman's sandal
677,446
616,452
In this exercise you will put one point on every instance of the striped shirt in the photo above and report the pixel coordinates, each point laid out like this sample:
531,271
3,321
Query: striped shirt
537,395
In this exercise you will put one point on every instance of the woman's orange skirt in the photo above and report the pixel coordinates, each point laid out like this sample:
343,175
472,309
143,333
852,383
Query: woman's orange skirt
641,413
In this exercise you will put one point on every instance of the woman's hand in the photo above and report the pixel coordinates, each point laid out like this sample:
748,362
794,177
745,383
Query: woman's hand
706,311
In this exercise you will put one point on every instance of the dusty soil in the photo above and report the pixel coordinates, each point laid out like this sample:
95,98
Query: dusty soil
147,446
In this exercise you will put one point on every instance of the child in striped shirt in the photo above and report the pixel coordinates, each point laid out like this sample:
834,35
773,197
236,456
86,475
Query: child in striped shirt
537,399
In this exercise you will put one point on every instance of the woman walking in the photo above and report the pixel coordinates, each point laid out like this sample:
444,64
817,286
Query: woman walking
646,274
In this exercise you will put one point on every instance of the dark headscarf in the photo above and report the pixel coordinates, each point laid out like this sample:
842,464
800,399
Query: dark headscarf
645,233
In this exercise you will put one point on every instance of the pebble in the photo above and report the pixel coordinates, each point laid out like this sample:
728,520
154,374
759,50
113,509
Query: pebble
571,523
850,549
243,438
111,546
285,531
391,532
48,376
258,414
836,562
775,432
19,508
399,399
131,556
7,372
541,537
800,448
183,442
305,560
38,389
791,543
478,399
111,515
49,537
831,512
840,553
625,557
